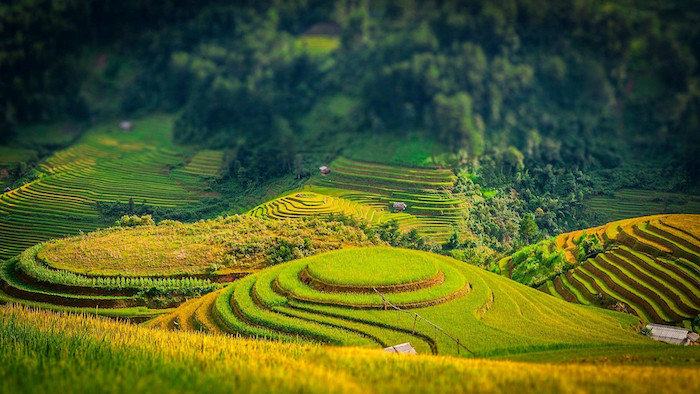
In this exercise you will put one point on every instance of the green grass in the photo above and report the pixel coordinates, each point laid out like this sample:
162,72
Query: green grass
495,317
96,355
288,280
368,267
642,355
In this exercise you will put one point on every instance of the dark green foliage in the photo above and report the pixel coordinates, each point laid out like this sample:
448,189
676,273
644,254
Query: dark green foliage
528,227
585,76
588,246
550,101
389,232
534,264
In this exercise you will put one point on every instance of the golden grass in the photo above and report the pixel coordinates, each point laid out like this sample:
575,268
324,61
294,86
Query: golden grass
42,351
232,244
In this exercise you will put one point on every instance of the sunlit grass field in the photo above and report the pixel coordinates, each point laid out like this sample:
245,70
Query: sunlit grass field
121,271
42,352
488,314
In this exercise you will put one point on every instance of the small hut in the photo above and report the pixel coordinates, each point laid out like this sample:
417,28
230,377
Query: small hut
6,189
400,206
126,125
403,348
324,170
672,335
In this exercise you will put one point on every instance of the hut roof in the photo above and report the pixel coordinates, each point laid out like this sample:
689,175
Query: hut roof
126,125
404,348
323,168
668,334
6,189
400,205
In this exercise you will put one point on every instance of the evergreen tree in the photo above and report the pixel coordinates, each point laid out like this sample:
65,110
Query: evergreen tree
528,227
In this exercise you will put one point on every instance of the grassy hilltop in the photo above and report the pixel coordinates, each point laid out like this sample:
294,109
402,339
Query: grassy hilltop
120,271
330,298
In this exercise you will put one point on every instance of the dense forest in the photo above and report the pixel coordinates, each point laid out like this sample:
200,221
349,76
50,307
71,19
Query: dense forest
545,102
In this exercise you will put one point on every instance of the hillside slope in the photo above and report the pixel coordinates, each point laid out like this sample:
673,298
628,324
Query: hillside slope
649,266
119,271
123,358
330,298
368,191
105,166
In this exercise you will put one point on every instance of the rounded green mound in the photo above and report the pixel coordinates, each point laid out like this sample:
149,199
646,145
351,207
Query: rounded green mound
373,267
466,309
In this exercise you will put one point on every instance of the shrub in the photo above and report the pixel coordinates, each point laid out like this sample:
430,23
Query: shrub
133,221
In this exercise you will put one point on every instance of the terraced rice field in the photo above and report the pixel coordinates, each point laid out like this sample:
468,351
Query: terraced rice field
204,164
630,203
342,298
33,279
137,272
652,266
103,167
367,191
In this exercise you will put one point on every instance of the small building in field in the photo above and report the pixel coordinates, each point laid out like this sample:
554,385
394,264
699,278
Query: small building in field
6,189
403,348
672,335
399,206
126,125
324,170
694,338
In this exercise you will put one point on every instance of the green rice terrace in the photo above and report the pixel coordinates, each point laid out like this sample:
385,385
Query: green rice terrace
648,266
630,203
105,166
141,271
438,304
368,191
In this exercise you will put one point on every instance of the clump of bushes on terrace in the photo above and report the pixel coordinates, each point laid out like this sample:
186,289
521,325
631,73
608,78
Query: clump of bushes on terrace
535,264
134,220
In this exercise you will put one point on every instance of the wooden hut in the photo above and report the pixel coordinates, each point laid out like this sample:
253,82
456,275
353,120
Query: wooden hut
324,170
399,206
672,335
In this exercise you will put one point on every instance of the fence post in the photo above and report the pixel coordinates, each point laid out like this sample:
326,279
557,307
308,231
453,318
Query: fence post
458,346
415,320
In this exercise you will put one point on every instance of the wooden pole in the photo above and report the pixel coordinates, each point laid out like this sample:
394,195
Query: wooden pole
415,320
